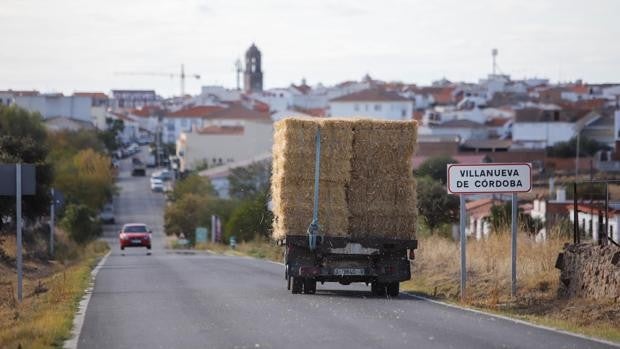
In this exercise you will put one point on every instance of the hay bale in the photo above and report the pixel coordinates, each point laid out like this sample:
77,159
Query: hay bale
366,187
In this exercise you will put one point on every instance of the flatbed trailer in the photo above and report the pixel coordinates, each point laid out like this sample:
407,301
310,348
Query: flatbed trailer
381,262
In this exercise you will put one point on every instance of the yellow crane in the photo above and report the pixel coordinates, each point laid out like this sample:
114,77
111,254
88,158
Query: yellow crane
180,76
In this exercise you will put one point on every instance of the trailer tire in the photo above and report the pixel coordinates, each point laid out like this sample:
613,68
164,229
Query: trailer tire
393,288
309,286
298,284
377,288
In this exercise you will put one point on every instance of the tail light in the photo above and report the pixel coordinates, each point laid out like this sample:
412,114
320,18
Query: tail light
411,254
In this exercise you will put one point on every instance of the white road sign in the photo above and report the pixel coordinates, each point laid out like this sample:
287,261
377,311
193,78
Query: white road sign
489,178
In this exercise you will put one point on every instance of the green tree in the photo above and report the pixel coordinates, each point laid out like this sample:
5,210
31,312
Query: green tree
587,147
23,139
435,167
501,217
435,206
250,181
192,184
81,223
109,137
86,178
249,219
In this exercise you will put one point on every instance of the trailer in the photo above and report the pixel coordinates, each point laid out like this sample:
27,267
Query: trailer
382,262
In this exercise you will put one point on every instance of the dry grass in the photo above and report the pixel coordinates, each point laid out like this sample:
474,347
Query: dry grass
51,293
436,273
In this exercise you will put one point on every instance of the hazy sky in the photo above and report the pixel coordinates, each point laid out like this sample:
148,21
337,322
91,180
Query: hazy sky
64,45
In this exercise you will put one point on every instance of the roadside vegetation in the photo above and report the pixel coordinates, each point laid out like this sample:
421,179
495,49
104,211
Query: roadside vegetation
76,164
244,216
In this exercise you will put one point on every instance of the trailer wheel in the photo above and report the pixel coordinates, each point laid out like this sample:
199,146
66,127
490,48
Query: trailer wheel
377,288
309,286
298,284
393,289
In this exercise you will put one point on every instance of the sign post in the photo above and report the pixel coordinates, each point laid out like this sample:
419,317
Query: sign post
489,178
463,242
17,180
52,223
18,197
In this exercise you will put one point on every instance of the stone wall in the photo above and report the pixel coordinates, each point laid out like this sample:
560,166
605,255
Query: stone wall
590,271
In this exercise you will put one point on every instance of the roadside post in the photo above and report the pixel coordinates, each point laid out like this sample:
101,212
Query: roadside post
493,178
52,223
18,180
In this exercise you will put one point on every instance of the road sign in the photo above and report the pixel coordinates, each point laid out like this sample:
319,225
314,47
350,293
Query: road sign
489,178
8,182
201,234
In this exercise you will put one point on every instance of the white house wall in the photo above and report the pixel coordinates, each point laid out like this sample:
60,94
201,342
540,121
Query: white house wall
256,140
539,134
76,107
380,110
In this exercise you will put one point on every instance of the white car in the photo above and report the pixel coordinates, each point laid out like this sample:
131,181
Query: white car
157,185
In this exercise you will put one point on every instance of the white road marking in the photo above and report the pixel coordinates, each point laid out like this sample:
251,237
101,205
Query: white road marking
78,320
518,321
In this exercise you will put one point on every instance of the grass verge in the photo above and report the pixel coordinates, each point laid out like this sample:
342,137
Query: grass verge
51,293
436,271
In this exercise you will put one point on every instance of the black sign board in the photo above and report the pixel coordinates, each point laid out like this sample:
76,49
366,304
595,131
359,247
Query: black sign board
8,179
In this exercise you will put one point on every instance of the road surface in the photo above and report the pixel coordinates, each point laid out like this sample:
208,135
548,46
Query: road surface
171,300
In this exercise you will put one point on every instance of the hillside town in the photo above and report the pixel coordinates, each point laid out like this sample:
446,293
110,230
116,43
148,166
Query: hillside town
497,119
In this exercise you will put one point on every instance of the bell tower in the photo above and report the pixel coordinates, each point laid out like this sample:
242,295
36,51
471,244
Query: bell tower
253,74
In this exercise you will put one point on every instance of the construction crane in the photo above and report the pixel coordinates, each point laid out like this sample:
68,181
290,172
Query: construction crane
180,76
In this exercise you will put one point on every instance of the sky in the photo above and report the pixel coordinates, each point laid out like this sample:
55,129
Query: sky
67,46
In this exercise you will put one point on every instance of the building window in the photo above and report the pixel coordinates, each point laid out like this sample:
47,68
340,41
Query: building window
356,107
377,107
403,113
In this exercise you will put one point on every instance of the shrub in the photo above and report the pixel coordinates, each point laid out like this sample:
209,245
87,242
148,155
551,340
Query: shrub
80,222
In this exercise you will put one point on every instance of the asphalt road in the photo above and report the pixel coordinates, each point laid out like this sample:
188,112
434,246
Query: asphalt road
170,300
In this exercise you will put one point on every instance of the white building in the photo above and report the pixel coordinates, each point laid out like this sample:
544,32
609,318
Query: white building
463,129
588,220
375,103
184,120
228,135
540,128
57,104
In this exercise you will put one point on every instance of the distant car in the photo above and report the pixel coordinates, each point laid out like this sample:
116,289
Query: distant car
107,214
166,175
135,235
138,167
157,185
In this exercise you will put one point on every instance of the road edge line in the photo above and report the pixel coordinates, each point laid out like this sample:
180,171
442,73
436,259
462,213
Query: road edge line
80,314
519,321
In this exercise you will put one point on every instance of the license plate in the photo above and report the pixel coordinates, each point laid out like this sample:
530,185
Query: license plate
349,271
136,241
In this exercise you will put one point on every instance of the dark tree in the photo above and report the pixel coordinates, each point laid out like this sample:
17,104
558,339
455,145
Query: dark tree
587,147
435,205
23,139
250,181
435,167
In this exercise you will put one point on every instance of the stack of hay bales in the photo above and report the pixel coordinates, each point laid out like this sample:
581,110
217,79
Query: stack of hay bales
366,188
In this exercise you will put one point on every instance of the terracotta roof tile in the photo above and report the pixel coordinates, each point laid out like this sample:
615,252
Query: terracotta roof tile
238,111
94,95
221,130
195,112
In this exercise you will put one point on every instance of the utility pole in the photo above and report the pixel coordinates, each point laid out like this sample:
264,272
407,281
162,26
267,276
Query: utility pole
577,158
18,197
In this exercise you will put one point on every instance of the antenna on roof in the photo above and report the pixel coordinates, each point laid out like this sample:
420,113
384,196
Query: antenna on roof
494,53
238,70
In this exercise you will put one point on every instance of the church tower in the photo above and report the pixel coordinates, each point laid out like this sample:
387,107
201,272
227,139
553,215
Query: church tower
253,74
